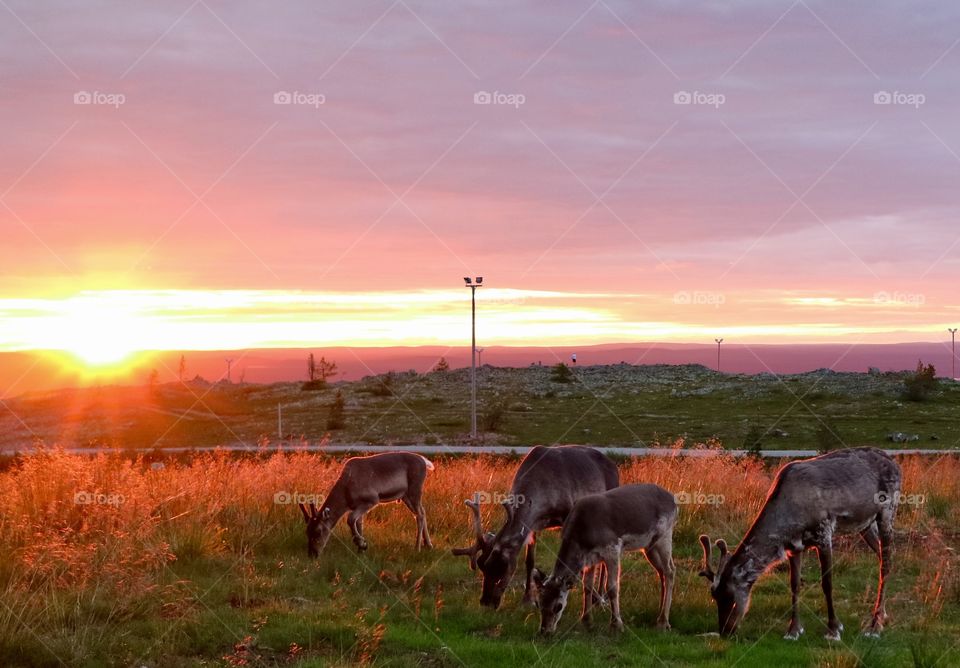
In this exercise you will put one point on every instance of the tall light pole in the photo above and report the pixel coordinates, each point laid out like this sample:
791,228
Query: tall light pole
229,362
719,341
479,356
473,351
953,354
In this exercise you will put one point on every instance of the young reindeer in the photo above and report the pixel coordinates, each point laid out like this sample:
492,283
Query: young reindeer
547,484
848,491
596,534
365,482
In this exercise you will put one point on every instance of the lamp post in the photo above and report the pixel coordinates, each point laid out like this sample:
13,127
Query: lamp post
480,357
719,341
953,354
229,362
473,350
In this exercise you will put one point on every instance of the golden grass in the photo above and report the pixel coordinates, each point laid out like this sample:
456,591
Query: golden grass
108,556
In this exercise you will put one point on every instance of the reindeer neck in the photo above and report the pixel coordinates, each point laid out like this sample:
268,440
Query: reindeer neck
515,531
336,501
756,552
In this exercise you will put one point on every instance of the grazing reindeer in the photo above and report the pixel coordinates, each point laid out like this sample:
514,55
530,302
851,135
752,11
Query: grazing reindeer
545,487
599,529
847,491
365,482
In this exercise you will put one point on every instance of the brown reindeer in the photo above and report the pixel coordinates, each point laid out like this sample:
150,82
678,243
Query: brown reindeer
365,482
848,491
599,529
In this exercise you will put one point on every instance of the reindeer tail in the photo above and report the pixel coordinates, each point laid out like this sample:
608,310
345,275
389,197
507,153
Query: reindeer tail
426,461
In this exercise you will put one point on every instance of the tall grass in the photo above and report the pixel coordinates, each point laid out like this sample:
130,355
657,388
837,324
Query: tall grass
87,542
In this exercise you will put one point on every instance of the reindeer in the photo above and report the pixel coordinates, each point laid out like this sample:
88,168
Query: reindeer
599,529
547,484
365,482
848,491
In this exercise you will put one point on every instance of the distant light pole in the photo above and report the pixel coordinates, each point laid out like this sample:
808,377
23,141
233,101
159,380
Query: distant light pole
229,361
473,351
953,353
479,356
719,341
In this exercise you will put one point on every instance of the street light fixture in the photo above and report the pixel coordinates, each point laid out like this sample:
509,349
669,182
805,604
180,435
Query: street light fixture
953,354
473,351
480,357
719,341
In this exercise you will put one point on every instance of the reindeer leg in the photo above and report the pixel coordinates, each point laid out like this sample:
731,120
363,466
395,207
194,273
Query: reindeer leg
825,552
796,628
589,577
426,534
884,535
613,589
529,593
414,508
660,556
355,522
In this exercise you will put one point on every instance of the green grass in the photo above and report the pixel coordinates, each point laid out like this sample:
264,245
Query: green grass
333,608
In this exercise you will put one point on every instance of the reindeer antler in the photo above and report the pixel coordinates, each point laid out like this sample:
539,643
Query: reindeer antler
721,544
706,571
481,540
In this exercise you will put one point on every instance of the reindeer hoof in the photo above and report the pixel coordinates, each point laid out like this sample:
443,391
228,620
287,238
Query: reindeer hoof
616,625
663,626
794,633
833,635
361,545
586,622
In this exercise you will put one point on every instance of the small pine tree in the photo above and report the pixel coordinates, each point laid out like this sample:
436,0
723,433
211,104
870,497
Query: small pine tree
336,419
326,369
561,373
442,366
311,368
182,369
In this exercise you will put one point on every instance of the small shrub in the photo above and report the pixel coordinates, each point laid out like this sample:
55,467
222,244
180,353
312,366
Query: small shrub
336,418
383,385
314,385
828,436
492,419
561,373
921,384
442,366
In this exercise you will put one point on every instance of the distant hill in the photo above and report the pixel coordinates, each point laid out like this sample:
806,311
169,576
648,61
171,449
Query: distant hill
21,372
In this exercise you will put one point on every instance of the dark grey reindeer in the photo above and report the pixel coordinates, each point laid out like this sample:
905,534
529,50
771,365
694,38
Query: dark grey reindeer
848,491
547,484
365,482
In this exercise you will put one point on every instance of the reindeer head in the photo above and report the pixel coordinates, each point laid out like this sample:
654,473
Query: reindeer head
319,526
731,593
496,558
553,598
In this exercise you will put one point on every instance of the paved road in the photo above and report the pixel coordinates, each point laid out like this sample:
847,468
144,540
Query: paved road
362,448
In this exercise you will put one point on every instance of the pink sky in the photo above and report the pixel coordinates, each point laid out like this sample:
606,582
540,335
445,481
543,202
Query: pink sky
696,199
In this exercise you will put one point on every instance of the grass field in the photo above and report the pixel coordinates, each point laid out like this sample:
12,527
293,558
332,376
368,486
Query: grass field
111,561
604,405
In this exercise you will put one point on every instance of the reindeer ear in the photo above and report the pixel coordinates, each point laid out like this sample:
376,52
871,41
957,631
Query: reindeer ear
306,514
326,513
538,577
